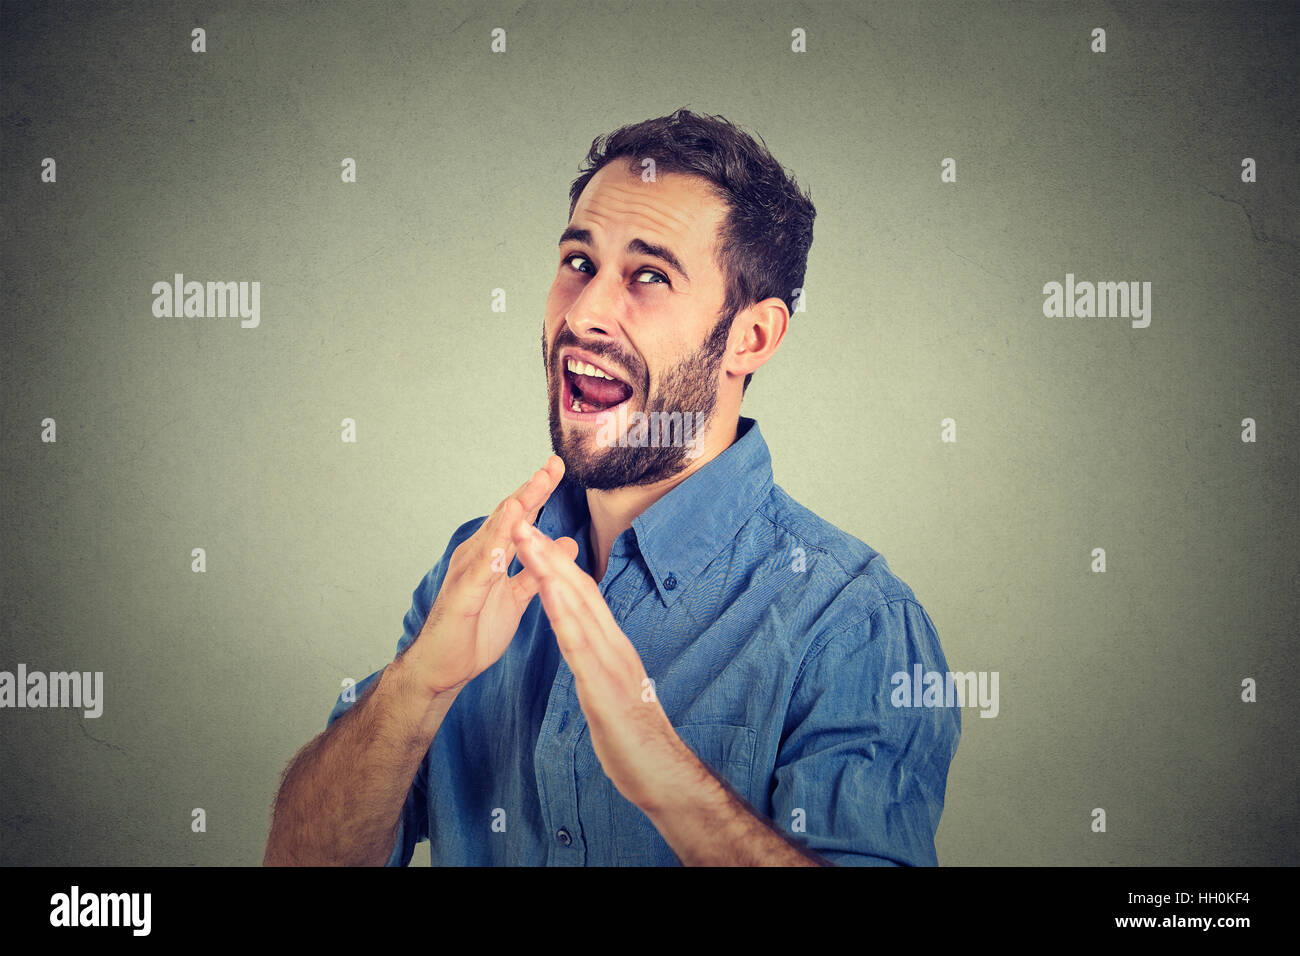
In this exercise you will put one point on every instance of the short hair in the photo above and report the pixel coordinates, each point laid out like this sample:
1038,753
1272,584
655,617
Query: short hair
765,238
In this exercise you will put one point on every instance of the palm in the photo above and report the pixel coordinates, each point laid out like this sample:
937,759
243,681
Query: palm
497,622
478,608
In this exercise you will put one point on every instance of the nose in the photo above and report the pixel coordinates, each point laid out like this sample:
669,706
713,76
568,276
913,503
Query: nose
593,311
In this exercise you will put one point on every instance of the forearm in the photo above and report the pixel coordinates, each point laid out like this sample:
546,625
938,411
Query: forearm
342,797
708,824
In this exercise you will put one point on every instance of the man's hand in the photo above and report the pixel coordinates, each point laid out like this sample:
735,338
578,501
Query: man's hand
479,605
341,798
632,736
698,815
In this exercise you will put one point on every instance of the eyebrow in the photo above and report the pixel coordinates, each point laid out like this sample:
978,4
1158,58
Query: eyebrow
636,247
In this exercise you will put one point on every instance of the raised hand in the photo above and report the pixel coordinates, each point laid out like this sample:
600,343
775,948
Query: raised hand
479,606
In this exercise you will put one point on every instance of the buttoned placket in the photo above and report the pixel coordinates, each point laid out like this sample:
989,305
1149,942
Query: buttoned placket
555,761
553,758
553,764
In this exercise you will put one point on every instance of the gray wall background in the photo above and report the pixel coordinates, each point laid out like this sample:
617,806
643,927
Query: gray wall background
1118,690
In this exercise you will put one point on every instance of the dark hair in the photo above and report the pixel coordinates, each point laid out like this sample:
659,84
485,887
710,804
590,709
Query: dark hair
765,238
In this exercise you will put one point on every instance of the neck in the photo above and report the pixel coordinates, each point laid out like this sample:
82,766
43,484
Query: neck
613,511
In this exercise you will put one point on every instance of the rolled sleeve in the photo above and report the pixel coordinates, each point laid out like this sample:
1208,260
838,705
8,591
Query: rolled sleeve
869,777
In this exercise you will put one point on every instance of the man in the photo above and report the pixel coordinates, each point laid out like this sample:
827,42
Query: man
678,662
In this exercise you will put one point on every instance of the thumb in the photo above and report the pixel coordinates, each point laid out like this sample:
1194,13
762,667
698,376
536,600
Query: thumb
525,584
569,546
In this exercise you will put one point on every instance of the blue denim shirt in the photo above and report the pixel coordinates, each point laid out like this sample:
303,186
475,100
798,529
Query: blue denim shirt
771,636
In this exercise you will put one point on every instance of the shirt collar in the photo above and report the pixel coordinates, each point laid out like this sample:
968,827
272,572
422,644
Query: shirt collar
684,530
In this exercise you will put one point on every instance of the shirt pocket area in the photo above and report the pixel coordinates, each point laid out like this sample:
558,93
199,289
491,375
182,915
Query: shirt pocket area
727,749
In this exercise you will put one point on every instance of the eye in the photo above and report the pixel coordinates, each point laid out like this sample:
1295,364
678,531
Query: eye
576,255
568,260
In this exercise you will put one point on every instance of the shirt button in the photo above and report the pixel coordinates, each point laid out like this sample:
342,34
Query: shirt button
670,582
563,836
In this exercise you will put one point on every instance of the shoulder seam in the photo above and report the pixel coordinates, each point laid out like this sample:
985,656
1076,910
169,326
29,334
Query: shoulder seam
821,643
762,510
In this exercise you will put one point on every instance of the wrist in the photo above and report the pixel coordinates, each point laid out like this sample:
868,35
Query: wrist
423,705
415,673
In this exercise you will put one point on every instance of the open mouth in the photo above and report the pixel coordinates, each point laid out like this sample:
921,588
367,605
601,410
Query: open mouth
590,390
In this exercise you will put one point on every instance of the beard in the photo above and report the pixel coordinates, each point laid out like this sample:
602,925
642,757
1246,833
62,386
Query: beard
690,386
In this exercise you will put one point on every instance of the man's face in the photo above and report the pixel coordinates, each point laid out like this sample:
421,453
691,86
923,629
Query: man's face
637,296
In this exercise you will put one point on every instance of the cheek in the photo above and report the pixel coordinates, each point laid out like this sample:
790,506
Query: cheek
556,306
656,365
664,354
558,303
562,293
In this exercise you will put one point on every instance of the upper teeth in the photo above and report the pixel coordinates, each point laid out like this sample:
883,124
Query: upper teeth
586,368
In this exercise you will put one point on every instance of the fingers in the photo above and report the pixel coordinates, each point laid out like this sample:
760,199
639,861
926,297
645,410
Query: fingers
578,613
525,584
530,497
532,494
569,547
492,549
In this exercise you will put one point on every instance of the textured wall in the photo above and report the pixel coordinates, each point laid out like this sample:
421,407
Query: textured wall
1118,690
